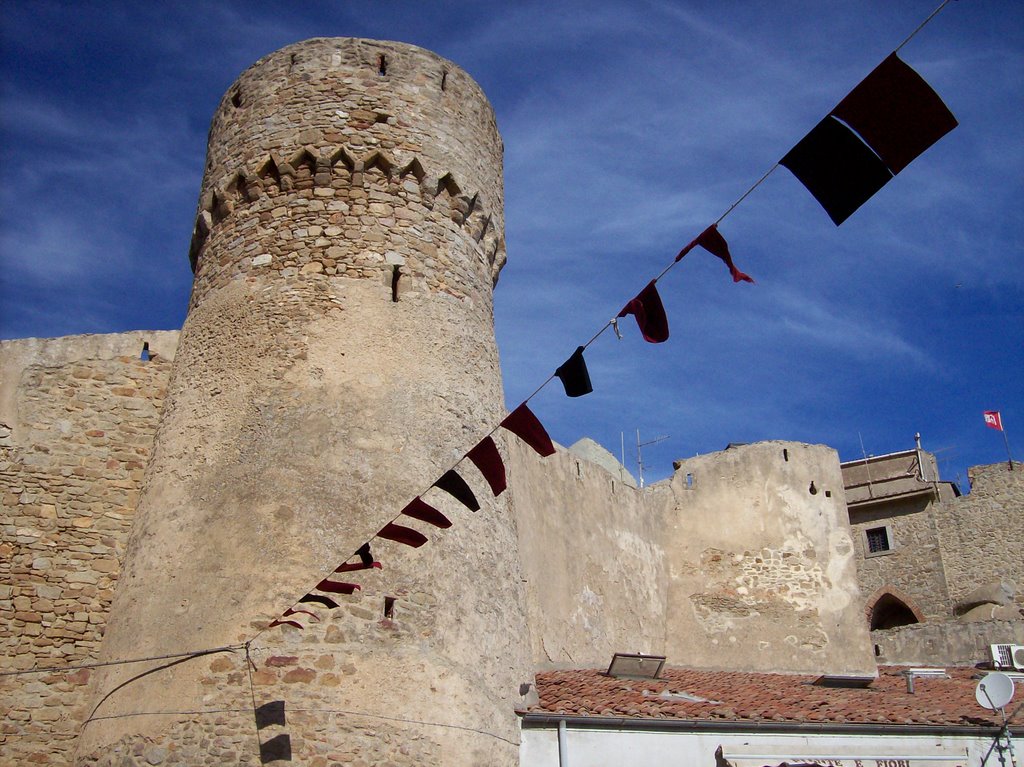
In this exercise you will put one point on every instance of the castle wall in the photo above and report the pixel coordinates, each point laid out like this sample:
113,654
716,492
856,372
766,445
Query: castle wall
593,557
945,642
763,574
981,535
77,417
733,563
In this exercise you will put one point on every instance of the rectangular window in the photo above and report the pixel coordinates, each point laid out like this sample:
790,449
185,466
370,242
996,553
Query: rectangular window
878,540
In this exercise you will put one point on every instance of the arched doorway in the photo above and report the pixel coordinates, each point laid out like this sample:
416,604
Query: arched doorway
890,608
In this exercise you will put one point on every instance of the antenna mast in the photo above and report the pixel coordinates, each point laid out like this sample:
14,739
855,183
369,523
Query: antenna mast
639,454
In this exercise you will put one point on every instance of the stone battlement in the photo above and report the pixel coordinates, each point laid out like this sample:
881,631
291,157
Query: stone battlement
374,208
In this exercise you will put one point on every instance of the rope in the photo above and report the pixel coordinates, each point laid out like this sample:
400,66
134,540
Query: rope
63,669
922,25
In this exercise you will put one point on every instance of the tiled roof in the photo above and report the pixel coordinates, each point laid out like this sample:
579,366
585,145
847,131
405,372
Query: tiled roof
724,696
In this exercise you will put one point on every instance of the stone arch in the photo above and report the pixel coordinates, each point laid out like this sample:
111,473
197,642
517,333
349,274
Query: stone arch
236,189
482,227
221,206
445,198
447,184
415,169
200,232
269,175
381,162
343,158
303,166
890,607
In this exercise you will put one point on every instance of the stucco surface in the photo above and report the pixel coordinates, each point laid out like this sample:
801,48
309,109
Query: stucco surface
765,578
731,563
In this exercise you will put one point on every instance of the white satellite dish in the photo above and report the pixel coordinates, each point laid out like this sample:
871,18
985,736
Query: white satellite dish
994,691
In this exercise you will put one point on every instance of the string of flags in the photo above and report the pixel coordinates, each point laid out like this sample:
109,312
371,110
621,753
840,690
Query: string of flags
487,459
889,119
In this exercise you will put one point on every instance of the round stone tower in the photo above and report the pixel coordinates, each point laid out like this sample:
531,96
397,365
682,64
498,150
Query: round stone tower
338,356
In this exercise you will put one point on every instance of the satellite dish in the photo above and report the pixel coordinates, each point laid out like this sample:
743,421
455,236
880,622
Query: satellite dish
994,691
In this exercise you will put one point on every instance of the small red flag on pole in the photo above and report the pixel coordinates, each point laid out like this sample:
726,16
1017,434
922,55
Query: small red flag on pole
994,420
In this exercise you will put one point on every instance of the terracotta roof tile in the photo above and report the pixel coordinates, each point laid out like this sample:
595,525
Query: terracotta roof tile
741,696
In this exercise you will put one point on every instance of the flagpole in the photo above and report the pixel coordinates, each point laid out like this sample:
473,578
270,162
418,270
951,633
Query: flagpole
1006,440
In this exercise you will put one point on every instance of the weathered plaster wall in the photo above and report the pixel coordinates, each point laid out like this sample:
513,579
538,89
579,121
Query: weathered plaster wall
593,558
733,563
77,417
981,534
763,574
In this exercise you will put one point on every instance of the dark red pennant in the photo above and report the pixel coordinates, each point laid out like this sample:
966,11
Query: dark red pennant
714,243
402,534
293,611
335,587
574,375
690,246
524,424
453,483
487,459
896,112
365,561
649,313
424,512
296,624
319,599
354,566
837,168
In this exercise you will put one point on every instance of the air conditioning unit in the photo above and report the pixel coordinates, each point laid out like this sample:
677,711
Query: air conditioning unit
1008,656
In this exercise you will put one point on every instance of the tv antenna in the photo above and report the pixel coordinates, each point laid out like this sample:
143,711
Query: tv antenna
639,454
993,692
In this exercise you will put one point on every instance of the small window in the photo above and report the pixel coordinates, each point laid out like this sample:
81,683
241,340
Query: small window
877,540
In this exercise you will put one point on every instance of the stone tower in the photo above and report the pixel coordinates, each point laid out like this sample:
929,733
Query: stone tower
337,358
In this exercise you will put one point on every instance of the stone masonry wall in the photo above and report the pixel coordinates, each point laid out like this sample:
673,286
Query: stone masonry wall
945,642
345,190
981,534
77,417
338,356
914,564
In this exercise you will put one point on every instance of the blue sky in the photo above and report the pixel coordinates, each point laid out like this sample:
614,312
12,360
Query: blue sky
628,128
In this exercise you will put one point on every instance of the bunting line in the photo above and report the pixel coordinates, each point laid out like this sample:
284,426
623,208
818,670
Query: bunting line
922,25
898,117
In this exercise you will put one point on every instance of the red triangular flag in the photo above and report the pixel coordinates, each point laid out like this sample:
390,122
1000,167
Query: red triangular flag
402,534
524,424
423,511
453,484
487,459
649,313
285,623
336,587
293,611
320,599
715,244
